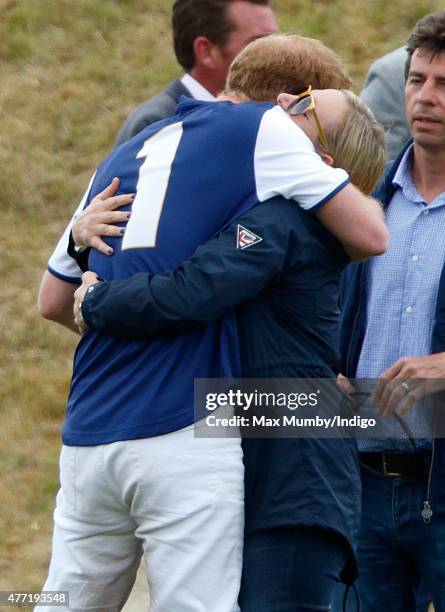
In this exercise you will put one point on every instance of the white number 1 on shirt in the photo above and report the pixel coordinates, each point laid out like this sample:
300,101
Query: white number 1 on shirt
154,174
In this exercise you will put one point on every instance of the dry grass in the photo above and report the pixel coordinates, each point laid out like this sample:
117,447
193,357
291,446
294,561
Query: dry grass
70,73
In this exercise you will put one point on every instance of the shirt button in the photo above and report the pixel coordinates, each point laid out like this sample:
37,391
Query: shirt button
408,309
426,212
415,258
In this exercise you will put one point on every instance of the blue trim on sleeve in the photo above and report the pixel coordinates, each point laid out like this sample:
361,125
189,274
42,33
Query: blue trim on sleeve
329,196
68,279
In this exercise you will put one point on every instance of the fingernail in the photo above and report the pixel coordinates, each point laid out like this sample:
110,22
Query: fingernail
110,252
133,195
122,231
128,214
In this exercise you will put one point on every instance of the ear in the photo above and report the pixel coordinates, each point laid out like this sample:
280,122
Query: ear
285,100
328,159
206,53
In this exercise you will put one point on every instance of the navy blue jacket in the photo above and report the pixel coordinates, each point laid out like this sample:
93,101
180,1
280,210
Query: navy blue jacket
288,284
353,325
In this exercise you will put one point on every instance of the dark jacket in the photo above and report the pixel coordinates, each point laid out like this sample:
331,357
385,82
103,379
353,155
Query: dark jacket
159,107
353,326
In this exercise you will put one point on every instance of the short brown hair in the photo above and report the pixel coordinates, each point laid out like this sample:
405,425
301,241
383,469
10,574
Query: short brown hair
285,63
429,35
357,144
209,18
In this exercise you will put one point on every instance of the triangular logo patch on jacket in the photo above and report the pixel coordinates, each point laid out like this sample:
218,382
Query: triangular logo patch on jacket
246,238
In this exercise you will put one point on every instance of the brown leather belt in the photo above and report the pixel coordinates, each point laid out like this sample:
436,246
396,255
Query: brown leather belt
413,465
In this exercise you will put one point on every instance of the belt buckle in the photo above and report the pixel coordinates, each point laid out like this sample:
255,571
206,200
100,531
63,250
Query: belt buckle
386,472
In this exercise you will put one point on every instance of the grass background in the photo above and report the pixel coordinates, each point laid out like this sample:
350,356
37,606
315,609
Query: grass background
71,71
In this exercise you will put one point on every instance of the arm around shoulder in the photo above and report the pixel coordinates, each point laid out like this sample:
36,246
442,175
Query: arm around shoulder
231,268
357,221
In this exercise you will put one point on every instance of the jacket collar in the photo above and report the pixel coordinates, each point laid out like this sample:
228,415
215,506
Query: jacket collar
176,89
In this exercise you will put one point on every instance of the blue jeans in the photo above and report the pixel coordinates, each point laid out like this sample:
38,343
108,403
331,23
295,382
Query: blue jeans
291,570
397,551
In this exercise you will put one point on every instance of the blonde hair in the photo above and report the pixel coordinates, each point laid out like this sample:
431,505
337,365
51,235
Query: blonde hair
357,144
284,63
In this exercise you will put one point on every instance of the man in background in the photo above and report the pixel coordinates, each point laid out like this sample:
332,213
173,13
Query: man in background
393,330
207,35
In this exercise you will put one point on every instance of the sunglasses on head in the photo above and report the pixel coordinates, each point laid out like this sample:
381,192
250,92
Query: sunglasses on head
305,102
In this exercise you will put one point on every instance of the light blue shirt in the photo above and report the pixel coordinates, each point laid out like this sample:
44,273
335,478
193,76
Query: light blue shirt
402,293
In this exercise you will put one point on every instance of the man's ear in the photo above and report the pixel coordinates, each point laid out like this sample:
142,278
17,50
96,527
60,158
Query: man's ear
206,53
328,159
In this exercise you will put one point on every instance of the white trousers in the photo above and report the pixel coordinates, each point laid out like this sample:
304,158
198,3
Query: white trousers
177,499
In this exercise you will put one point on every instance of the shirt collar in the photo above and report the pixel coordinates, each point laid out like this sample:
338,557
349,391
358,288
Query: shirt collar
403,172
403,178
196,89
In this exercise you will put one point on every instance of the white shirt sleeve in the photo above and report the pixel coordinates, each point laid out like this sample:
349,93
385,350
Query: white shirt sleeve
61,264
287,164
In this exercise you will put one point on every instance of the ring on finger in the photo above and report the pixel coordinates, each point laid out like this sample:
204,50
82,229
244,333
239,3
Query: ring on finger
405,387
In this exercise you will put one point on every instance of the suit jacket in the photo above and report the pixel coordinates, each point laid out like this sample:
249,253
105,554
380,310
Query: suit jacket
159,107
384,93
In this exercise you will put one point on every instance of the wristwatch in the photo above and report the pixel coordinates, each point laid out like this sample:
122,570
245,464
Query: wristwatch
78,320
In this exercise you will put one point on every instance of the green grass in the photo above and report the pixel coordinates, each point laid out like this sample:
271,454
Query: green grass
70,73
